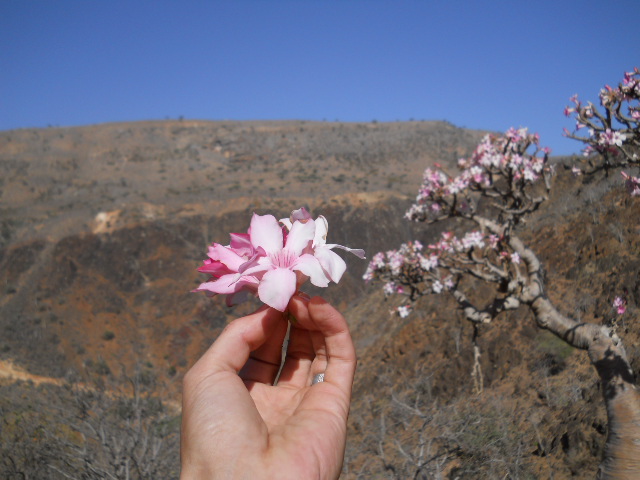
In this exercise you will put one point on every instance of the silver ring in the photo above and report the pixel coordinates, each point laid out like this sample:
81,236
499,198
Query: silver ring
317,378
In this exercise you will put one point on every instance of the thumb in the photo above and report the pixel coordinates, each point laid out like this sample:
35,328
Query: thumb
232,348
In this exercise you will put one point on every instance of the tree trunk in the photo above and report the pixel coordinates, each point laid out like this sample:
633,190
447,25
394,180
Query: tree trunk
622,399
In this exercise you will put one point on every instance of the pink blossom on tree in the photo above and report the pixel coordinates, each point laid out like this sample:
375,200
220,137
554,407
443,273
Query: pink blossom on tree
620,304
404,310
512,174
614,130
632,184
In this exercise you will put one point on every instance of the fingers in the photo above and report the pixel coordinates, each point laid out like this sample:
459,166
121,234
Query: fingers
319,342
330,340
264,362
300,357
248,334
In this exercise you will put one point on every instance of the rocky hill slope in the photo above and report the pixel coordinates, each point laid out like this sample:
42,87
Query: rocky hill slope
102,226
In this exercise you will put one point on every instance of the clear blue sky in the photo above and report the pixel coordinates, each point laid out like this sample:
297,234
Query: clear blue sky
478,64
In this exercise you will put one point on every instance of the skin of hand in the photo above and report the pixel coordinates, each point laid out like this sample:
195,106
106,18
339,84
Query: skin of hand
237,425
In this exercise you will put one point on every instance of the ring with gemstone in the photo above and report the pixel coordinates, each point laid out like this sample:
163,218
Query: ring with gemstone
317,378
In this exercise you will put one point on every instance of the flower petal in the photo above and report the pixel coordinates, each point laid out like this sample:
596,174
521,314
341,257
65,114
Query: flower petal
322,228
277,287
215,268
300,215
312,268
224,285
225,255
241,243
258,254
300,236
258,265
266,233
358,252
286,222
331,263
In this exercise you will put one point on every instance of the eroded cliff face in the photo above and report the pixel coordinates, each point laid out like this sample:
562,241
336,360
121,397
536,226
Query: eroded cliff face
103,229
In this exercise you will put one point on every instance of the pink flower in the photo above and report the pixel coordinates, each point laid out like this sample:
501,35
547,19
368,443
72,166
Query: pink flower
620,304
272,261
632,184
287,263
223,265
588,150
611,137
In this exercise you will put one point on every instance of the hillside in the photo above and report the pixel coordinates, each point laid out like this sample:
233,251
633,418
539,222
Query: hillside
58,180
100,223
104,226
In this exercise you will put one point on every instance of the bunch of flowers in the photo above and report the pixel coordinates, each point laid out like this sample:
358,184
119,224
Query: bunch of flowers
616,130
414,271
273,259
502,167
407,266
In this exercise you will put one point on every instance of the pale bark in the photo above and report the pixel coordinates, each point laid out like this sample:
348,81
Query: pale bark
607,354
622,399
622,451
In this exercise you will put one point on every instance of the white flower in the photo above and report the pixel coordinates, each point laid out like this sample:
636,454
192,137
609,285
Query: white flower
473,239
529,175
428,263
389,288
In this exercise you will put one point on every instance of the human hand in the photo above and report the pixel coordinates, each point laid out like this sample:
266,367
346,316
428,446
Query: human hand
237,424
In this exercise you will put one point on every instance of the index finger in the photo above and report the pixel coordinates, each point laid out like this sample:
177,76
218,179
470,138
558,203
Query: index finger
320,316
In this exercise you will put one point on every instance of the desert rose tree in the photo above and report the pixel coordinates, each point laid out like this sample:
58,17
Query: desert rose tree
510,175
611,133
